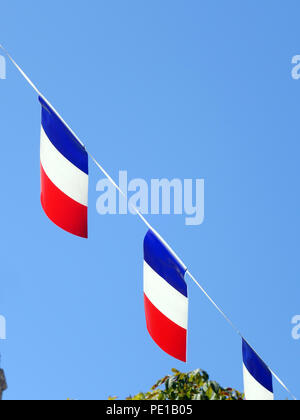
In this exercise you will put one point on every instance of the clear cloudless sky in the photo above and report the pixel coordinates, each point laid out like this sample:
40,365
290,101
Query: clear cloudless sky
160,88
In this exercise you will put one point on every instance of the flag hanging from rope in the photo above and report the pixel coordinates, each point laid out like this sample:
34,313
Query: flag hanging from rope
64,175
166,298
258,383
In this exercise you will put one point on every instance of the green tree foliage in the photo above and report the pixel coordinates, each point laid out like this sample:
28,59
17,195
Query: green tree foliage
189,386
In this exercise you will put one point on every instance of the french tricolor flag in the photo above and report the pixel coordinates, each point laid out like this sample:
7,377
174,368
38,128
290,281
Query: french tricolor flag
258,383
166,298
64,175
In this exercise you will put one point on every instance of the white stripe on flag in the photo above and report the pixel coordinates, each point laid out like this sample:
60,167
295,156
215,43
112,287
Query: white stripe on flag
254,391
67,177
165,298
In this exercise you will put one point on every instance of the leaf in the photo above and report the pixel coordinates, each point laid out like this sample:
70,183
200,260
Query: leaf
194,385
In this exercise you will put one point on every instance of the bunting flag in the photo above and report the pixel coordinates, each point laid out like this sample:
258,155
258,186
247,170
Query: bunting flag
258,383
166,298
64,175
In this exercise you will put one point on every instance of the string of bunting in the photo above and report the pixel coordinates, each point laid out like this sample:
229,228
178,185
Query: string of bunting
64,198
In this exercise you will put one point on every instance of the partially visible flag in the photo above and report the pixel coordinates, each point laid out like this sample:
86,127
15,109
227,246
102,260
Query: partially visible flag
258,383
64,175
166,298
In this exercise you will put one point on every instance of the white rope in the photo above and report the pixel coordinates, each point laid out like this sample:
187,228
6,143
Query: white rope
136,210
283,385
215,305
21,71
39,93
140,215
236,330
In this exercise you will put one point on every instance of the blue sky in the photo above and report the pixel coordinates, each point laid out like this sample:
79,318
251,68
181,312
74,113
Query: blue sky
185,89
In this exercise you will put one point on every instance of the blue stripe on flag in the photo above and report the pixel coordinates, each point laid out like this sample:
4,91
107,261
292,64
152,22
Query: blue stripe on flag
256,367
164,263
61,138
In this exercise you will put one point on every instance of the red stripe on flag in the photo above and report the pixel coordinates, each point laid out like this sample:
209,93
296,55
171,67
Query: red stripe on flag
63,210
169,336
